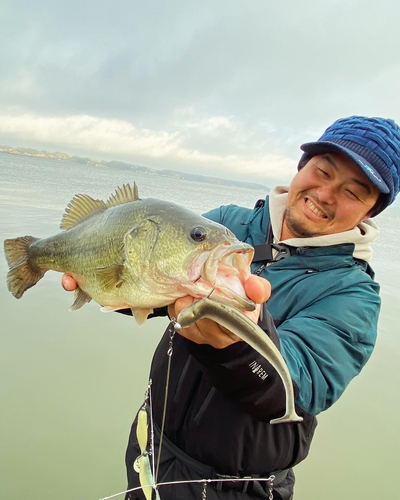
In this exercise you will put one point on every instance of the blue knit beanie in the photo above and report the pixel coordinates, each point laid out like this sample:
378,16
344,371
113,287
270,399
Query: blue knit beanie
372,143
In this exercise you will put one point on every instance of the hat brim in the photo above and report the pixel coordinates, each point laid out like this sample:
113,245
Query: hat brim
318,148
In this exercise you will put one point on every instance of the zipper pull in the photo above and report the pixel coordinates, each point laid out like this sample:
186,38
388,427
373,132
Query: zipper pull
260,269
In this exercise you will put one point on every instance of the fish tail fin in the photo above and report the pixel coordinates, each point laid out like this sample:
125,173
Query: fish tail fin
23,274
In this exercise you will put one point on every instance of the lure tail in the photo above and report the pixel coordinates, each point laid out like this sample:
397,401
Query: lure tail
23,273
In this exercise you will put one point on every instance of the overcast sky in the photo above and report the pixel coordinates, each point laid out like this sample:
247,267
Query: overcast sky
226,87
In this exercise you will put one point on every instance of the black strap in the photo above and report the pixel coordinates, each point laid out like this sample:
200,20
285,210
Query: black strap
264,253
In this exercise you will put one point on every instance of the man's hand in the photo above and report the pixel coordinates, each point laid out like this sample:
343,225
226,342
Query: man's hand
68,282
207,331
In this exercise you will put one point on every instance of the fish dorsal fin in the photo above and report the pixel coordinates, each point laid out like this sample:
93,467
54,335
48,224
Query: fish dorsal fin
80,208
122,195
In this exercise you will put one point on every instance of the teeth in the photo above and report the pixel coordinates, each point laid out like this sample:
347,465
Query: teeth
314,209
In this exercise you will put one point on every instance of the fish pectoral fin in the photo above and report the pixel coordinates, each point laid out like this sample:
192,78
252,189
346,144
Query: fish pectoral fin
141,314
81,298
110,277
80,208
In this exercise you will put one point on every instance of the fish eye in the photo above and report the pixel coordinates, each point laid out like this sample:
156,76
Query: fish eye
198,233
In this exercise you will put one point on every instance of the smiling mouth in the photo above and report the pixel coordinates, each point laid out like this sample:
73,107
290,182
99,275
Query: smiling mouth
315,210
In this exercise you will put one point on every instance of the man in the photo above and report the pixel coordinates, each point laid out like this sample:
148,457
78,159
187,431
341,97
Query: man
313,244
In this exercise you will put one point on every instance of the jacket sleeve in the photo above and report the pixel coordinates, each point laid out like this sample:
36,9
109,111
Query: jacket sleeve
325,346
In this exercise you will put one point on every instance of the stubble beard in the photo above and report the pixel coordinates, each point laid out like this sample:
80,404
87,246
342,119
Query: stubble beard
297,227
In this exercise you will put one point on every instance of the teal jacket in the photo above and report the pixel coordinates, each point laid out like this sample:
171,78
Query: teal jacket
324,304
322,314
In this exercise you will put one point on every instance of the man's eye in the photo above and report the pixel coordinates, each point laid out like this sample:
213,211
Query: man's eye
353,195
323,172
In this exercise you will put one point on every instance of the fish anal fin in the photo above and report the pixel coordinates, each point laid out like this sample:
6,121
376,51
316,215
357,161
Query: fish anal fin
110,277
141,314
81,298
79,209
122,195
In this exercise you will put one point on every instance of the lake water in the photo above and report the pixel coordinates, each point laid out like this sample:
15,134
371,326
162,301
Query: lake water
71,383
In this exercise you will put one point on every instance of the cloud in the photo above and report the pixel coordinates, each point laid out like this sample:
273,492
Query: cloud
292,64
122,140
212,124
90,134
228,86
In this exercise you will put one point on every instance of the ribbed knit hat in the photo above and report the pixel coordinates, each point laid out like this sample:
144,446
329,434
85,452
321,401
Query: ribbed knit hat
372,143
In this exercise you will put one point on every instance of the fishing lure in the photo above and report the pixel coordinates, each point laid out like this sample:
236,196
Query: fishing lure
238,323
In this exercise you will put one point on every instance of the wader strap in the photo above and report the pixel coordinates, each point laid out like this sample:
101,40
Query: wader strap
208,472
204,470
264,253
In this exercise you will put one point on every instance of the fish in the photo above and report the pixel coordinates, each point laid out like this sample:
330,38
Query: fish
133,253
238,323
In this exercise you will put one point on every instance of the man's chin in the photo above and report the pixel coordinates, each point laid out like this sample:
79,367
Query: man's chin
301,226
300,229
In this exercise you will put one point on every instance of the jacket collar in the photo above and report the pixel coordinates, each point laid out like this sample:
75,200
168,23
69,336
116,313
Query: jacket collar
361,236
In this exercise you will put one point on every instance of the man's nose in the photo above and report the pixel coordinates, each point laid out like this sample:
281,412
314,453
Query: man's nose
326,194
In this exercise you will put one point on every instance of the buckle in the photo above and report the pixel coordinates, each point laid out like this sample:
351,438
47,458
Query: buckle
283,251
235,483
263,253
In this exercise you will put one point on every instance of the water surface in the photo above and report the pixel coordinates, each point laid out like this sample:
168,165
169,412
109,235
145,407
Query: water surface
72,382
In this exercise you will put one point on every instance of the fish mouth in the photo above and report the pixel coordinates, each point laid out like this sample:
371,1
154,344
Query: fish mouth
224,273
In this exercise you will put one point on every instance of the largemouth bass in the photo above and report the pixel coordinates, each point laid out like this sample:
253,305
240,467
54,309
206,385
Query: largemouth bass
134,253
243,327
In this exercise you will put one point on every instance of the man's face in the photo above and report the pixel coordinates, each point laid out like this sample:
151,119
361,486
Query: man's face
330,194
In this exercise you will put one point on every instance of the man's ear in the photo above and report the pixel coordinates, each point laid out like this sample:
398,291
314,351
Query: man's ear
369,215
378,207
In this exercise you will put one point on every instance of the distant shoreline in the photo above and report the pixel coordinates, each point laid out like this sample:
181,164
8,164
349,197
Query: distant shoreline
45,155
